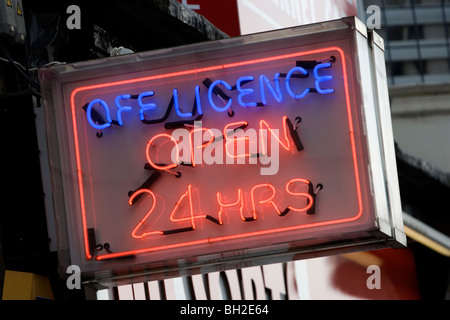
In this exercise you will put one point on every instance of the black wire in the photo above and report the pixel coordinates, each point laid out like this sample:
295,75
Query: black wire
30,81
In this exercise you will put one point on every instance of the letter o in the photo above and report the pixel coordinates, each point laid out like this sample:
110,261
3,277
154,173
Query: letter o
150,143
89,114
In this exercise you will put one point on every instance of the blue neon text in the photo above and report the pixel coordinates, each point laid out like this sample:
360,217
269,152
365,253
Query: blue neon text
246,97
145,106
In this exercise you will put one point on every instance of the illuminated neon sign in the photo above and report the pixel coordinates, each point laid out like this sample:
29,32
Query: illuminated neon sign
183,160
98,123
284,142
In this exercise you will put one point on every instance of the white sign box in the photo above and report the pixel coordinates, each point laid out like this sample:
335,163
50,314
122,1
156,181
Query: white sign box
262,148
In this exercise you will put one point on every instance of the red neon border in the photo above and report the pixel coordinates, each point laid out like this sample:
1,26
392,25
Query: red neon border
223,238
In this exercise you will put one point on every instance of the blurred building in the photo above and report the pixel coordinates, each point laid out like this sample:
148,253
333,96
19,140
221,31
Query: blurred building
417,43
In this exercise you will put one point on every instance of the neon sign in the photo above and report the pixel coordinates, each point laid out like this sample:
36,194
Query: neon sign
184,221
182,159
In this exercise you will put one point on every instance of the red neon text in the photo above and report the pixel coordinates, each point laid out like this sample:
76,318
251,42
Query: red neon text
228,146
260,195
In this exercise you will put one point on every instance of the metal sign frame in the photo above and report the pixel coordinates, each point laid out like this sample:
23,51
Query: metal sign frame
77,99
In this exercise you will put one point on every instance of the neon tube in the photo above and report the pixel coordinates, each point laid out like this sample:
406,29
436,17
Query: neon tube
286,144
228,141
121,108
222,205
303,194
244,92
151,143
149,212
288,83
276,93
265,201
89,114
191,217
320,79
177,106
210,98
145,106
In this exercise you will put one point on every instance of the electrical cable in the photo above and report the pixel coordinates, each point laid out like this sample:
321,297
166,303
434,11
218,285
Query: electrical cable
20,65
53,63
22,72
